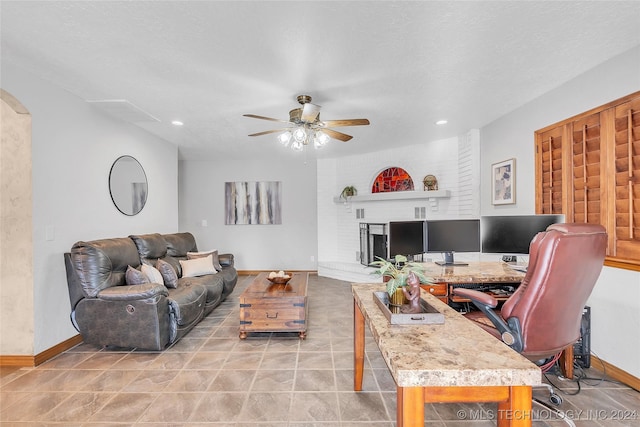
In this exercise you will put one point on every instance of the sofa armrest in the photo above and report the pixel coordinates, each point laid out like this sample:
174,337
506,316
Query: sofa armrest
133,292
226,260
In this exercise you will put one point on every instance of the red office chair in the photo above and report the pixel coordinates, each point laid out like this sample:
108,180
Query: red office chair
543,315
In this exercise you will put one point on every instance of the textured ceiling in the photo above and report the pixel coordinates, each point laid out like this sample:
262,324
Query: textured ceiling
402,65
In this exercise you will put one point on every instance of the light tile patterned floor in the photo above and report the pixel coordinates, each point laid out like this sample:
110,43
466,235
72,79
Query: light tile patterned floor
211,378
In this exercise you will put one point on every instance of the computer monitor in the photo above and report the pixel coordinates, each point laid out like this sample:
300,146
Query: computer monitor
406,238
511,235
452,235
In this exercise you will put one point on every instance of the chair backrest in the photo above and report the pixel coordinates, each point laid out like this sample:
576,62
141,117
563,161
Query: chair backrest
565,262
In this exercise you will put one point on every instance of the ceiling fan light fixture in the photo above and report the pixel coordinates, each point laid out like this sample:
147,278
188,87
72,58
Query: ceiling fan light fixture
299,135
297,145
307,128
320,139
285,138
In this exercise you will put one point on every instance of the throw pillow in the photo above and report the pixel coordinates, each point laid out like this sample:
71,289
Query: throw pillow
214,255
152,274
197,267
169,274
135,277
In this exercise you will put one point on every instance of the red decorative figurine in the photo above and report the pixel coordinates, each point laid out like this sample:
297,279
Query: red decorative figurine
412,295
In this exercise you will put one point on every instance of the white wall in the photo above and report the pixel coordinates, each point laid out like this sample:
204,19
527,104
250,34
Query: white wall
615,302
290,245
73,147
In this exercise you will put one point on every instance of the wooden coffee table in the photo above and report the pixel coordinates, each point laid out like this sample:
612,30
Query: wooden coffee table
265,307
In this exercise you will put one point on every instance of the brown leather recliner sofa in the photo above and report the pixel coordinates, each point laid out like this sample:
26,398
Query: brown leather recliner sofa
151,316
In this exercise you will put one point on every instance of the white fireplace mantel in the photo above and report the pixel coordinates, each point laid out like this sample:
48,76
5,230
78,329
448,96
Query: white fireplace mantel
395,195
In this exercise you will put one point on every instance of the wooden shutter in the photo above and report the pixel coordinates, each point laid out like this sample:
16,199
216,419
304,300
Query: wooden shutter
627,180
585,169
549,171
588,168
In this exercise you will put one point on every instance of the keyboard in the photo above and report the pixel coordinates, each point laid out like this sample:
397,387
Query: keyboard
520,268
497,288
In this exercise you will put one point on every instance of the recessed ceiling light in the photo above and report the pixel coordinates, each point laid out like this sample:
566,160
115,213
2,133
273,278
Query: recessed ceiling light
177,123
441,122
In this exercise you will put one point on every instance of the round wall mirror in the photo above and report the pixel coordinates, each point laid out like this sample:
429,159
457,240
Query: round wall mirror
128,185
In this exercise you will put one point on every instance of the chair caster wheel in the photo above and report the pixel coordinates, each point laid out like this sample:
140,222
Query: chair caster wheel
555,399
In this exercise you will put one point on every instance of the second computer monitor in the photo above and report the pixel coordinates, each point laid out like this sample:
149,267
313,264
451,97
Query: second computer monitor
511,235
452,235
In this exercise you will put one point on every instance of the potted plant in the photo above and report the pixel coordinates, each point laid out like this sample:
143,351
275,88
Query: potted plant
396,273
348,191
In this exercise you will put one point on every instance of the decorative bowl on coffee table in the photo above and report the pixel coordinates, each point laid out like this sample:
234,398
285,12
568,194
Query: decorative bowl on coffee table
280,280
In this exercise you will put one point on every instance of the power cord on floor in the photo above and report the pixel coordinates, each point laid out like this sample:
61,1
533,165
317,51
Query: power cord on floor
599,380
579,378
555,386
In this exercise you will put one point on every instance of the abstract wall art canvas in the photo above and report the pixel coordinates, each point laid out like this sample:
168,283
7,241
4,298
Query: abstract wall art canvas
253,202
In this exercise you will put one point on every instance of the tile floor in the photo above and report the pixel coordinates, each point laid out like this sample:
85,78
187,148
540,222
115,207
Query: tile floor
211,378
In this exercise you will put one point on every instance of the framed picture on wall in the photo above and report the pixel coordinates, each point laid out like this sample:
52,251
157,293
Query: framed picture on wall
503,182
253,203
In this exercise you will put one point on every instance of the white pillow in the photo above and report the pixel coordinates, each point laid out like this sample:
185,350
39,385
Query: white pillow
213,253
152,273
197,267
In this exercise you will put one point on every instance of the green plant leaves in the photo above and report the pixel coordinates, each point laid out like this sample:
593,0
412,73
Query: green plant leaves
398,273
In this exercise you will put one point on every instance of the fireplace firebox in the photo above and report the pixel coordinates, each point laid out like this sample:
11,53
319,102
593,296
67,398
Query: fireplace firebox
373,242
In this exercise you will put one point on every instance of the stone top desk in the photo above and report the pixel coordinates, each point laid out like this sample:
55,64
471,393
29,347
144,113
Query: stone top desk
451,362
473,272
477,275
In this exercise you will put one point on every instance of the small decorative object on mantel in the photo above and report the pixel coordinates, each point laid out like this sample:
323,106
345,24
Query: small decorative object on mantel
348,191
430,183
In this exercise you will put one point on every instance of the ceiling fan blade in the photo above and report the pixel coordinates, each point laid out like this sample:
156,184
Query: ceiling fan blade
253,116
266,132
310,112
346,122
337,135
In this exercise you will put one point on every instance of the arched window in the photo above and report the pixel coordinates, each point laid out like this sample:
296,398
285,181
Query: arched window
392,179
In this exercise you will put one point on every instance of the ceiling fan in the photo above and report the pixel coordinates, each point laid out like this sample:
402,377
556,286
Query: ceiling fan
307,126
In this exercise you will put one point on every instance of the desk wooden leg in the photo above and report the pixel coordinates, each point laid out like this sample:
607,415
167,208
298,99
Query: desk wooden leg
358,347
410,407
516,412
566,362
